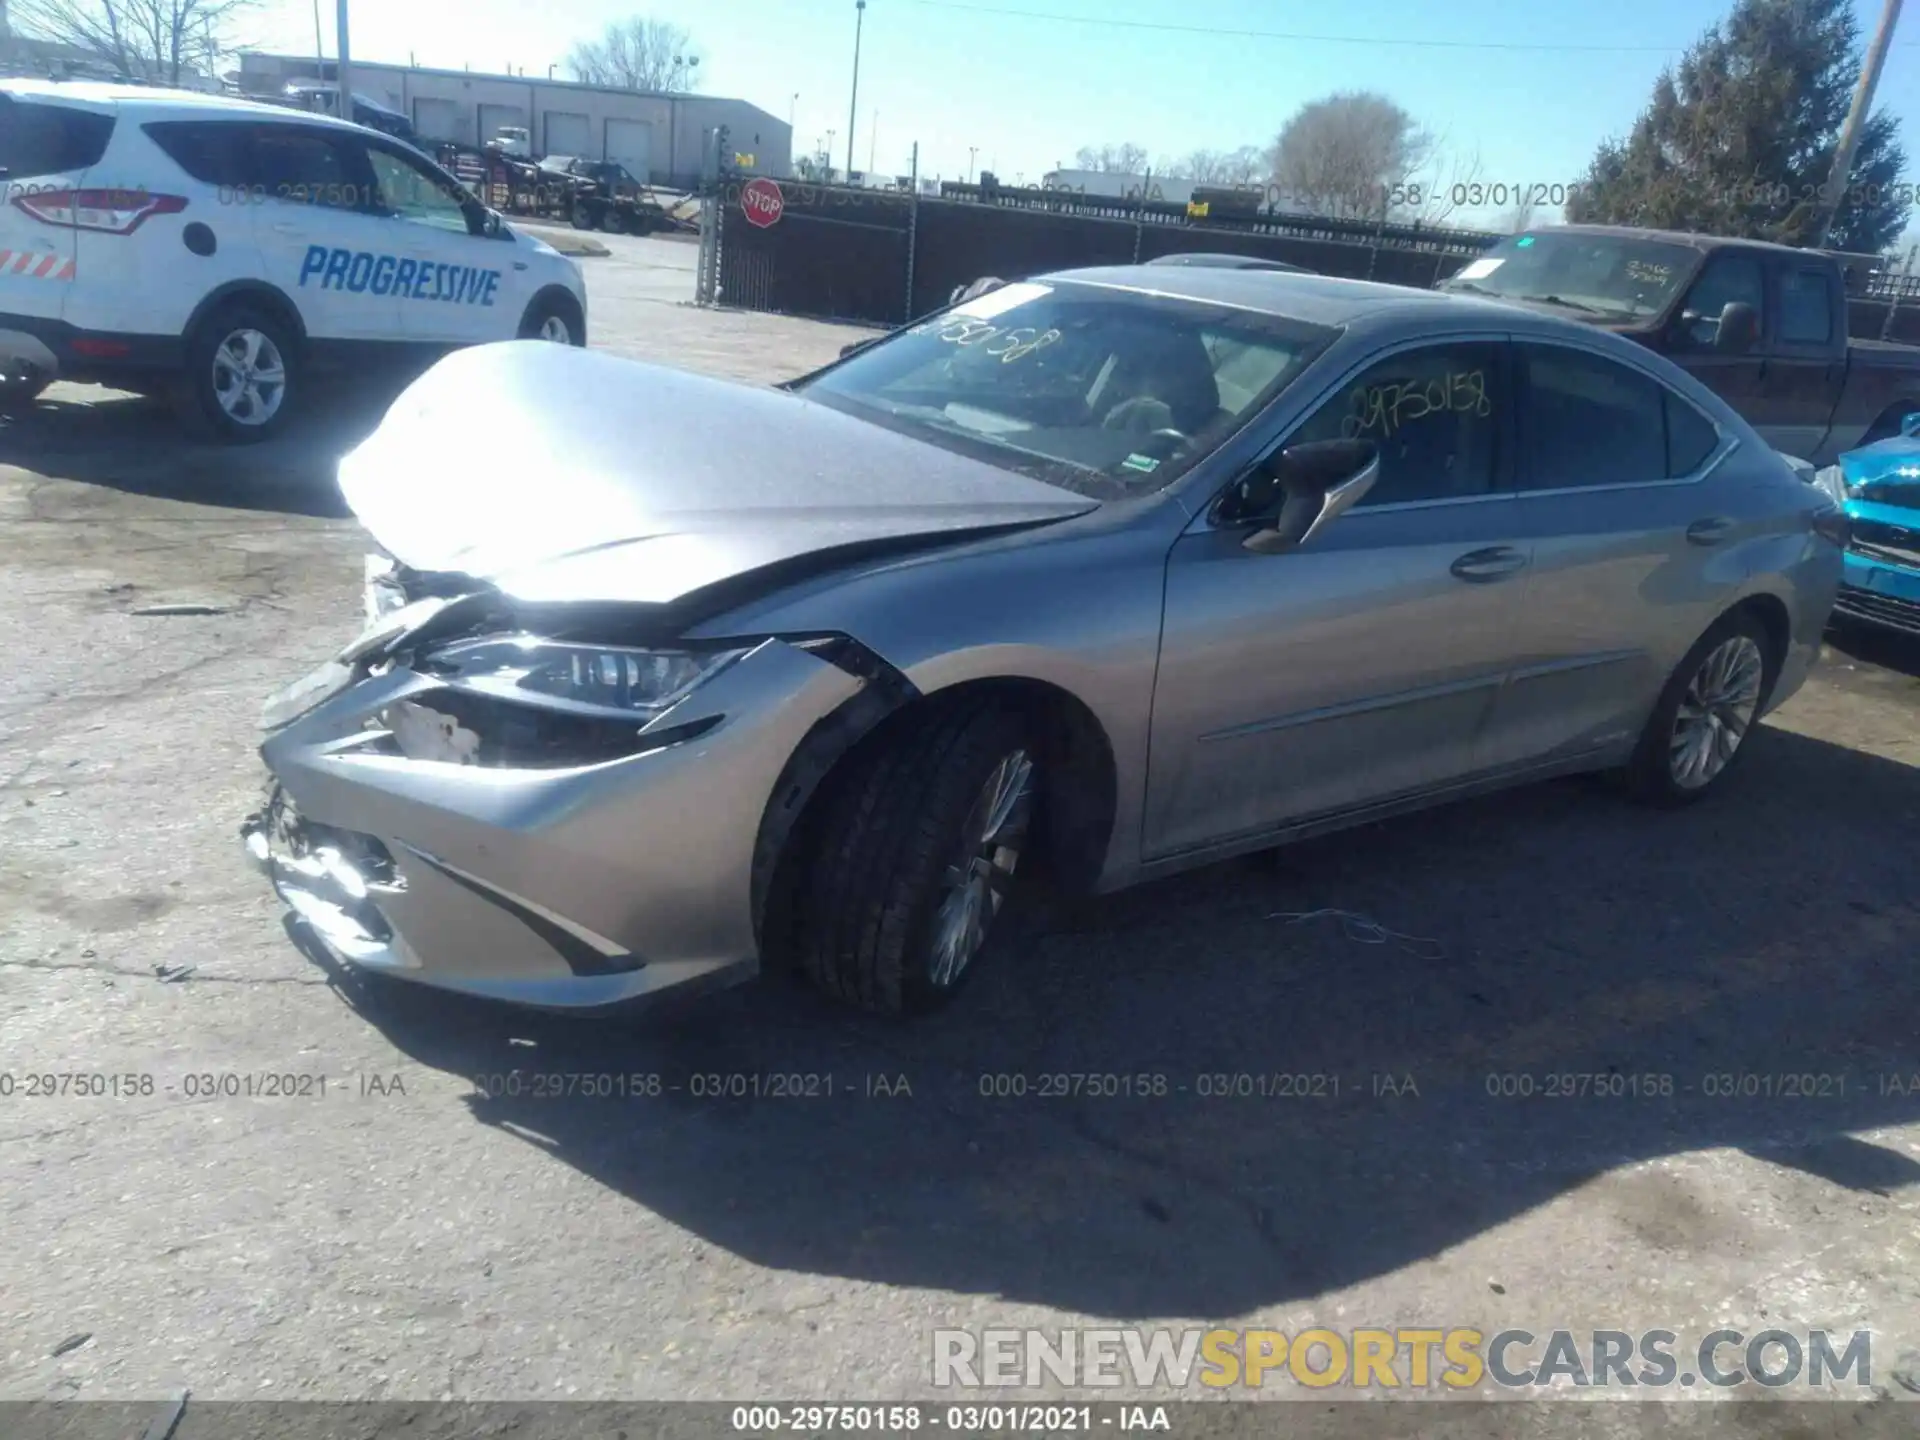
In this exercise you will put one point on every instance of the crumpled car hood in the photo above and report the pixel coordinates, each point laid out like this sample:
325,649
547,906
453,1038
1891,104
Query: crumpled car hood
564,474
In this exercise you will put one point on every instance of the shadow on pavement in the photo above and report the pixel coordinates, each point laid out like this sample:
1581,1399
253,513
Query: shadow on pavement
1889,649
1683,970
138,445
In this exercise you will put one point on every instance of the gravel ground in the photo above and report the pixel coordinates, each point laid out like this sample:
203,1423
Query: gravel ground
406,1237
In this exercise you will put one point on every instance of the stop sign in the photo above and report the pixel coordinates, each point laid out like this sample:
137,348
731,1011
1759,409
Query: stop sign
762,202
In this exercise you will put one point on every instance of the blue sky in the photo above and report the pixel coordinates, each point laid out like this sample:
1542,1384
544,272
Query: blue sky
1026,92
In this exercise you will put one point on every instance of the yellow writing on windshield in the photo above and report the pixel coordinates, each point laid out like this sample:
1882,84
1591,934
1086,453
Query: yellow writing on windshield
1383,409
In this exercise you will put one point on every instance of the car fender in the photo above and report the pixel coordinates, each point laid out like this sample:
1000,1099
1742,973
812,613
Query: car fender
261,292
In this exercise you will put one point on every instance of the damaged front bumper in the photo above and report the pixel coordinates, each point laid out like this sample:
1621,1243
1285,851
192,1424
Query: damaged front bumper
510,877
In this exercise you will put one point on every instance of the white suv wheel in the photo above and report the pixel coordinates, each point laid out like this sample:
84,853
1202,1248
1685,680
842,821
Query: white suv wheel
249,377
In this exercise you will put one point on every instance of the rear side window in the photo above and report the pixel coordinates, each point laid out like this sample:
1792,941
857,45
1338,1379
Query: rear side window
309,167
49,139
1806,308
212,152
1691,437
1586,420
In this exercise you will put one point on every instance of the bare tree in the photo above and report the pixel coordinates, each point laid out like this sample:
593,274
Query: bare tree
1451,180
1127,159
637,54
1244,166
1354,155
1517,218
160,42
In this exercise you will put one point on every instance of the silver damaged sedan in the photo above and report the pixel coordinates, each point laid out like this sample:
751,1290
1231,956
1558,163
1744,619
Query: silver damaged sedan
1081,581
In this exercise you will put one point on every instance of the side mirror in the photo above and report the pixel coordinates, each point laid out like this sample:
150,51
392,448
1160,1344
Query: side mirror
1910,425
858,345
1739,328
1317,483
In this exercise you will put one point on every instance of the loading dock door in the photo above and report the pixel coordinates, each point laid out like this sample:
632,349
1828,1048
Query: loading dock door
492,117
631,143
568,135
437,119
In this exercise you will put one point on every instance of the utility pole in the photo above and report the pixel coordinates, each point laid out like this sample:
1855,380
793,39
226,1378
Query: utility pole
853,103
873,139
1856,119
319,46
346,72
972,150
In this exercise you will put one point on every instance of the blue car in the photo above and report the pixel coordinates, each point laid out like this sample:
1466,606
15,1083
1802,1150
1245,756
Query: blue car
1880,487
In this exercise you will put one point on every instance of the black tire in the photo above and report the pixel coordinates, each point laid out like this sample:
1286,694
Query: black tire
1650,775
581,217
199,395
872,887
546,309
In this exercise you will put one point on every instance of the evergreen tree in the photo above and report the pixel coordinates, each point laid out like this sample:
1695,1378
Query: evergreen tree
1739,138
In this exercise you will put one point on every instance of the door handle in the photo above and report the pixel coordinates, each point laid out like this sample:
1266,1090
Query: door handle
1710,531
1496,562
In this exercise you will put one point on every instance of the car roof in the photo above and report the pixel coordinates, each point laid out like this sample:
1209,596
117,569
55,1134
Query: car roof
1670,237
1316,299
153,99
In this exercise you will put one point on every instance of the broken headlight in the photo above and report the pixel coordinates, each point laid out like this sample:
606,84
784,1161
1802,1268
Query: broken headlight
600,678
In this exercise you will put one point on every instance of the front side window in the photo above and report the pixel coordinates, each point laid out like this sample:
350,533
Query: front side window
1107,392
417,194
1723,280
1806,308
1586,420
1436,414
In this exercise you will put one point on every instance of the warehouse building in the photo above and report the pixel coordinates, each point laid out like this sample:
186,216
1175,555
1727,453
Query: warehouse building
659,136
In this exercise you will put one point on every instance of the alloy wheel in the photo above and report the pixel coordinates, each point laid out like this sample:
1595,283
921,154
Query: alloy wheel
249,377
554,328
975,885
1716,712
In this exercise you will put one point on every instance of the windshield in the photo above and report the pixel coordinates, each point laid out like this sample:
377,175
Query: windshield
1610,275
1106,392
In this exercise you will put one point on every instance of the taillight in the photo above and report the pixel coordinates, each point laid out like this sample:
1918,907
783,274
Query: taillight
1831,524
111,212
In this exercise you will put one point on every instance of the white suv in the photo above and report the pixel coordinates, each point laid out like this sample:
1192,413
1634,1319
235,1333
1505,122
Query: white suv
221,251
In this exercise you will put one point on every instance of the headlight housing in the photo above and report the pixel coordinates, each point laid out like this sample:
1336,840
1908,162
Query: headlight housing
594,679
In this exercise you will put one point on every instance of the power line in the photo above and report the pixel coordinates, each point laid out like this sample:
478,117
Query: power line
1297,36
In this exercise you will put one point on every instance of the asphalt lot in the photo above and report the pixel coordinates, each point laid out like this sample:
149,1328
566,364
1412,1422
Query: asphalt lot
405,1236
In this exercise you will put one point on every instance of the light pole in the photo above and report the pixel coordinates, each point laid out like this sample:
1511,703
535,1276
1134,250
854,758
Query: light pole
830,135
1856,117
972,150
791,106
344,67
853,102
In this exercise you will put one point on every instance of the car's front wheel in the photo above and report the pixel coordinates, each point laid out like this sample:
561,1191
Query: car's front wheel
916,860
1704,719
556,318
242,374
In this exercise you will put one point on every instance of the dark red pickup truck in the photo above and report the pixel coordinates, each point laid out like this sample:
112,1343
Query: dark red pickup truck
1765,326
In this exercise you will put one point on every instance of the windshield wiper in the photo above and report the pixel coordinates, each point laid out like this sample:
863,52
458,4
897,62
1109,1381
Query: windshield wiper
1569,304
